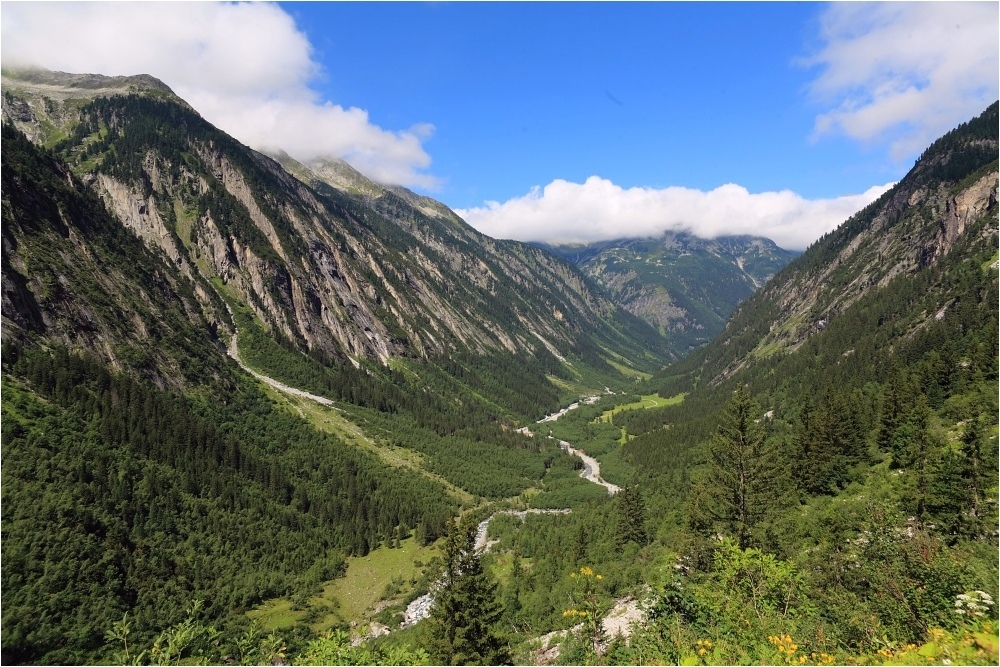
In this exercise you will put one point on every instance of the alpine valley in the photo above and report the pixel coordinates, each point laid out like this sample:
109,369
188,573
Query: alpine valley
254,410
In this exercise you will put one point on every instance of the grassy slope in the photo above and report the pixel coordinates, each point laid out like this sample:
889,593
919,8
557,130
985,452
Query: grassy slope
355,597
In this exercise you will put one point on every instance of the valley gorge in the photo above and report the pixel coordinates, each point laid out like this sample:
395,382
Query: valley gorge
255,408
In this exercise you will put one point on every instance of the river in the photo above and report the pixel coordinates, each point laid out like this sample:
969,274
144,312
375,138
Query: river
591,468
420,608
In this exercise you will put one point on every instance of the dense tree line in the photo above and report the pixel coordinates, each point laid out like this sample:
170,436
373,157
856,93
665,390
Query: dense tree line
168,498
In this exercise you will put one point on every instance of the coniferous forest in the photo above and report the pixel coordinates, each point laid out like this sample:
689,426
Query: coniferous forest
226,389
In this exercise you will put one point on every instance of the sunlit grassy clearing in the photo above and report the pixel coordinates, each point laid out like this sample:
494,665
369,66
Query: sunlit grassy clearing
352,598
368,576
628,370
573,390
644,402
331,420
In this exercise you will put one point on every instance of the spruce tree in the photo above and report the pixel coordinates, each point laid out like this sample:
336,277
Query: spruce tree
743,471
466,613
631,518
973,475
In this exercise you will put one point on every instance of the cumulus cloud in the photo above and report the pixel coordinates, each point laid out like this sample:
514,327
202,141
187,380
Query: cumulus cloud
902,74
597,210
246,67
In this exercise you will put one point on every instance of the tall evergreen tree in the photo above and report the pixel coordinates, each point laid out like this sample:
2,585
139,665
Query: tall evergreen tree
743,471
829,440
957,482
974,475
631,518
466,613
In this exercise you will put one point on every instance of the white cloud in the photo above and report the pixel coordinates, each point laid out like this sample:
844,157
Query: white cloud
903,74
246,68
597,209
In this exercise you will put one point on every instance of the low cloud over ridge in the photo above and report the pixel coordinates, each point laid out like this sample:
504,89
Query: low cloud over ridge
245,67
598,210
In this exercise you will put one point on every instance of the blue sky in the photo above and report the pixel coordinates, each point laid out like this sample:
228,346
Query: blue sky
645,94
565,121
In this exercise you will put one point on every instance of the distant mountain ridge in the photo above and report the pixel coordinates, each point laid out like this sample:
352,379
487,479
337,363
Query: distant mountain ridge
684,285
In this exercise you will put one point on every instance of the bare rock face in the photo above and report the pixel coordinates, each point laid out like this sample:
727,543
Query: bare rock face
327,260
139,214
655,305
961,209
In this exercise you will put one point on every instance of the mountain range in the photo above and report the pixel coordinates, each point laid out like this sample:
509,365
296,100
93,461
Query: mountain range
332,263
156,494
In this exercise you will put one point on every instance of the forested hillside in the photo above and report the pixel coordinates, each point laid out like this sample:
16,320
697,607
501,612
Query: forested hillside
144,471
141,492
840,436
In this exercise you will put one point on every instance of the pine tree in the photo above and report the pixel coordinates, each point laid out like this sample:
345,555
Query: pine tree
973,475
631,518
898,395
466,613
829,440
511,599
743,471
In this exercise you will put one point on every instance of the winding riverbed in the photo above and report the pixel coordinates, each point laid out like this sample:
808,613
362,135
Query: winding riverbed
591,468
420,608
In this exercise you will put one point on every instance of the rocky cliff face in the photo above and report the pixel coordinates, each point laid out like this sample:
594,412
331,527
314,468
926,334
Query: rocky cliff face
327,260
75,277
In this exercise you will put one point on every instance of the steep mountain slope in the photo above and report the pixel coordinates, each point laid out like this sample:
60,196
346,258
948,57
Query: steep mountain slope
684,285
360,274
66,282
126,491
943,210
902,295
